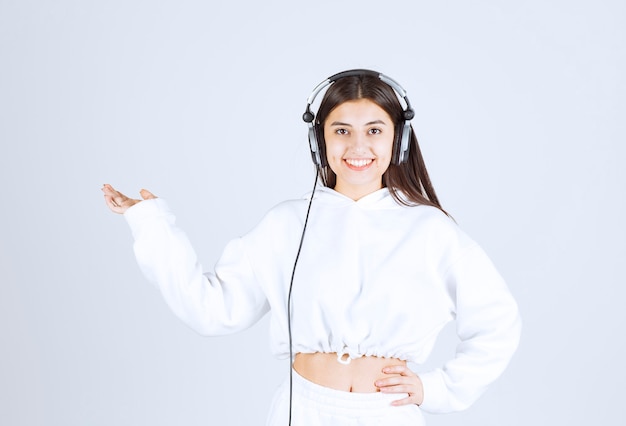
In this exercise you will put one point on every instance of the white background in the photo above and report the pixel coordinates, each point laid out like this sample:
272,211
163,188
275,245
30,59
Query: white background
520,114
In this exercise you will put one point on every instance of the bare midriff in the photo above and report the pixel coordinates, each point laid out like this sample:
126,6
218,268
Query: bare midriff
358,375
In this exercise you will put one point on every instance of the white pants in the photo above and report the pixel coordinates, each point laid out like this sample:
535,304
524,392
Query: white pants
315,405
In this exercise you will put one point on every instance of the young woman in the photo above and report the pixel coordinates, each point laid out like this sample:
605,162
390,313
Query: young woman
359,277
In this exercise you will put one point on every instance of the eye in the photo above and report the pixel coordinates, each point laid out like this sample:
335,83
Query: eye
341,131
375,131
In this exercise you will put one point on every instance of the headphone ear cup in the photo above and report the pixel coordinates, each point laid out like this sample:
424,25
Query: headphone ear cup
402,144
314,146
321,145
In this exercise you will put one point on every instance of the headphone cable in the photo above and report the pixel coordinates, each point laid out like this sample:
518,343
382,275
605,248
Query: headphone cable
293,273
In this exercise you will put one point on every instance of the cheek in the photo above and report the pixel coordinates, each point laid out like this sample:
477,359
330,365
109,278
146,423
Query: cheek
332,147
386,150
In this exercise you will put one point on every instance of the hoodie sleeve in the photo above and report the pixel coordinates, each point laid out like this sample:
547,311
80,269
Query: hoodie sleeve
225,300
488,325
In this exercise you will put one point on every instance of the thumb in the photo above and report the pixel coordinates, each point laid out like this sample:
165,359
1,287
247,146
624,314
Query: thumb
147,195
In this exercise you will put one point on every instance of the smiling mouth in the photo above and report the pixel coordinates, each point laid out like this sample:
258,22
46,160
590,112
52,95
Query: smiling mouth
359,163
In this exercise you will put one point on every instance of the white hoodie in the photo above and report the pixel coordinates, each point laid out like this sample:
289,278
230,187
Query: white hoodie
374,278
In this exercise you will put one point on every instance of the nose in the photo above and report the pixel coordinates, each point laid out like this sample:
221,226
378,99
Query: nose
359,143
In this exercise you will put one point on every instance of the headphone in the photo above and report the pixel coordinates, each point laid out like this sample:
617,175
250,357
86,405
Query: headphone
401,142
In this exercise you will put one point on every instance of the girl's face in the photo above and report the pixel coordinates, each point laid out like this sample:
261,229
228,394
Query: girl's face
359,141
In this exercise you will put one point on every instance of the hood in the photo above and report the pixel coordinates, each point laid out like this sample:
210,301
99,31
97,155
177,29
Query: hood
380,199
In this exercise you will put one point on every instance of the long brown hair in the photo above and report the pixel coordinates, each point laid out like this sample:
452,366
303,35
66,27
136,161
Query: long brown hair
408,182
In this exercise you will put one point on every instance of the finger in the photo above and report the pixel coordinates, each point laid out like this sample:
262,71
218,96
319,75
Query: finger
412,392
112,205
410,400
399,369
401,374
147,195
399,388
115,195
119,199
109,191
116,201
396,384
392,381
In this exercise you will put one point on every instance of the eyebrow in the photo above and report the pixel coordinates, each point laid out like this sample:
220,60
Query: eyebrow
339,123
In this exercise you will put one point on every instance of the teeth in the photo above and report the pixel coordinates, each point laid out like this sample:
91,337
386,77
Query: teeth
359,162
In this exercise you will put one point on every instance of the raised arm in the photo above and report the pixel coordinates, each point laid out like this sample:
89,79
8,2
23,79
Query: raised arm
224,300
